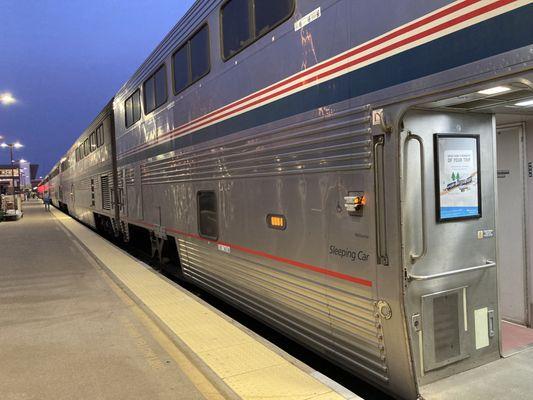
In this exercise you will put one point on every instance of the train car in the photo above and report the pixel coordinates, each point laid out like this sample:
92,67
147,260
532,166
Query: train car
296,157
51,185
87,175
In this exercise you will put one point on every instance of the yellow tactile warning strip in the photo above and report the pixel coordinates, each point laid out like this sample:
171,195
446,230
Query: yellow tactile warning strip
248,367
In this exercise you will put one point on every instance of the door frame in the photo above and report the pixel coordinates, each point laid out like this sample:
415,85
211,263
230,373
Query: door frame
523,178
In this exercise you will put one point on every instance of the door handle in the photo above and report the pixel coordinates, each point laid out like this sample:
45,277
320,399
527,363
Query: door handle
379,186
414,256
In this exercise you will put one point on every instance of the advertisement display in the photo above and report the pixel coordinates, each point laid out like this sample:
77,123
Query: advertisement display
457,177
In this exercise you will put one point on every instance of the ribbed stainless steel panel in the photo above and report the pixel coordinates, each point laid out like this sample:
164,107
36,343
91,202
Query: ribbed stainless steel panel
129,175
334,316
336,143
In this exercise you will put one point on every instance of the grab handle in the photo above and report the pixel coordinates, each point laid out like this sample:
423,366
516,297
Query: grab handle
488,264
379,185
413,255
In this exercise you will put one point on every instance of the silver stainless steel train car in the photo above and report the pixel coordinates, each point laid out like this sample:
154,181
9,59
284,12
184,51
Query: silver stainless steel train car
83,182
296,156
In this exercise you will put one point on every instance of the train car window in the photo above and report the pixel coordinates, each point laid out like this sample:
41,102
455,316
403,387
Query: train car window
199,54
160,87
268,14
136,103
86,149
132,107
236,26
100,135
128,106
244,21
207,215
149,96
92,140
191,61
181,68
155,90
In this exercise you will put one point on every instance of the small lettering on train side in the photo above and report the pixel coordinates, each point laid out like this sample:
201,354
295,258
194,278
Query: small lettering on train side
351,254
224,248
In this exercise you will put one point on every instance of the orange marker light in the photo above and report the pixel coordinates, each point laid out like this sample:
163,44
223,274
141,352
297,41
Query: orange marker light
276,221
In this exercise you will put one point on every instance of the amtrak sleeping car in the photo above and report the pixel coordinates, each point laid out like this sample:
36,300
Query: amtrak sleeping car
295,154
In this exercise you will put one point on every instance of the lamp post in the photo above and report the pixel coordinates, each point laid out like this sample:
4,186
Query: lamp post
11,146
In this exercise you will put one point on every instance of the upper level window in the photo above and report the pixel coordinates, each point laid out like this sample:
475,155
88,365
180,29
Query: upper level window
133,108
100,135
191,61
155,90
86,149
92,140
244,21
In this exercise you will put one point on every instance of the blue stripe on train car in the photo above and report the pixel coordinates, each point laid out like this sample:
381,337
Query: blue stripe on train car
497,35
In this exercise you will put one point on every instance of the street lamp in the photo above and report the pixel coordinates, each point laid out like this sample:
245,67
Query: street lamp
7,99
11,146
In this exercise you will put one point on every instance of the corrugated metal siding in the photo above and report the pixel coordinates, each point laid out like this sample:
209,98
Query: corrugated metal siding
330,314
338,143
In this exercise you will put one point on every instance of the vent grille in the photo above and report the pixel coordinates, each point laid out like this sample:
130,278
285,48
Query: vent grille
106,193
446,327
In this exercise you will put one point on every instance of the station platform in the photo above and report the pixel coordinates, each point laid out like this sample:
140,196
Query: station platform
82,319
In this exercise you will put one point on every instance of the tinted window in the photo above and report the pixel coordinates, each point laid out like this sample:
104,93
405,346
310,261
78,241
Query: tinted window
199,54
181,69
160,87
236,26
244,21
86,149
100,136
207,215
149,96
92,140
136,104
191,61
129,112
270,13
132,107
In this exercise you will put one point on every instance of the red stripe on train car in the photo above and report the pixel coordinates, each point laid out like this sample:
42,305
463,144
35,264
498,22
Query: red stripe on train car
297,264
215,115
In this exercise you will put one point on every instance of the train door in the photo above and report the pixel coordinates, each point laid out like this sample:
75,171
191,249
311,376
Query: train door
448,240
511,223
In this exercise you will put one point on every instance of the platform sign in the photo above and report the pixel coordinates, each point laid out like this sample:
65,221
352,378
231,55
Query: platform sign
457,177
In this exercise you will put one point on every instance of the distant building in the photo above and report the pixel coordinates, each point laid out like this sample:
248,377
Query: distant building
24,174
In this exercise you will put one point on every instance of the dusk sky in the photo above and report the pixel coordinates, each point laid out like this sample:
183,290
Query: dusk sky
64,59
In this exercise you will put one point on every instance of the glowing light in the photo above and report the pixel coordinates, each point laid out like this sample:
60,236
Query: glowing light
495,90
17,145
525,103
4,145
7,99
23,160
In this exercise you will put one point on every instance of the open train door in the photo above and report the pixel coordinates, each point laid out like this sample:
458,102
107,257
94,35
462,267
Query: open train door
448,241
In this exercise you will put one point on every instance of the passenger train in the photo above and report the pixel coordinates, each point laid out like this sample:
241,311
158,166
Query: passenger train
286,154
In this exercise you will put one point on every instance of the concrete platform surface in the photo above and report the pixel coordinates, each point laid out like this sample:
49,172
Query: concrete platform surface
507,378
82,319
68,332
237,360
